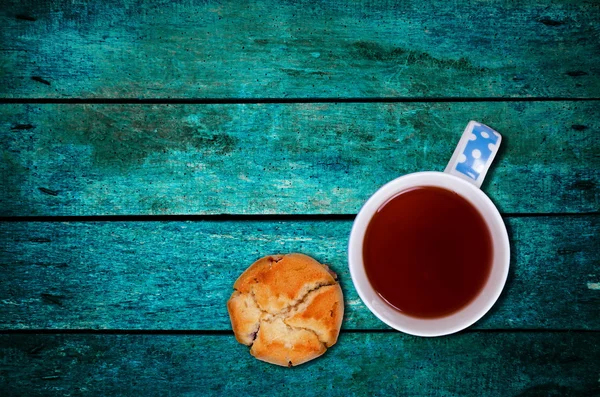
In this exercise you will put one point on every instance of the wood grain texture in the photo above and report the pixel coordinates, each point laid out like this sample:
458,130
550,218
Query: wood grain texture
272,48
283,159
469,364
179,275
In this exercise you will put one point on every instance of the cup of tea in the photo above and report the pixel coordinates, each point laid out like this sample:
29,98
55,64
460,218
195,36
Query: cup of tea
429,252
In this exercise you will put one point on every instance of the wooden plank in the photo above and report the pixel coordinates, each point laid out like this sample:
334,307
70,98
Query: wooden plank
285,159
469,364
179,275
269,48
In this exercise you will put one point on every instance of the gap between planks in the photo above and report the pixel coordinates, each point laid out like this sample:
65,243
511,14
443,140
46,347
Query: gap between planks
243,217
212,101
229,332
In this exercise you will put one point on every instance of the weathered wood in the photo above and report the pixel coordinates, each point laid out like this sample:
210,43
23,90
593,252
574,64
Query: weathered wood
231,49
470,364
179,275
296,158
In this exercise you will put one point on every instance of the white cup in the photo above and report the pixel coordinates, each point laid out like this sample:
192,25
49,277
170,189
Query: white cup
464,174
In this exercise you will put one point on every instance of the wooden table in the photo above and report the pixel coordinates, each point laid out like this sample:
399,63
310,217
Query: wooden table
151,151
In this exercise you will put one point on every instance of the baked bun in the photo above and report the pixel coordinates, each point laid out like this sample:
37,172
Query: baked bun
288,308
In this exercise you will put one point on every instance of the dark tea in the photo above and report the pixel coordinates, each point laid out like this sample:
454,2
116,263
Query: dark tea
428,252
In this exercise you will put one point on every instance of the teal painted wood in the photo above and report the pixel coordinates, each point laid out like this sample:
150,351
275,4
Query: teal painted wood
283,159
470,364
270,48
179,275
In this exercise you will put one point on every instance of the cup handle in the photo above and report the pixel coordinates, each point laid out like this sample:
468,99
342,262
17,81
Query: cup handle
474,153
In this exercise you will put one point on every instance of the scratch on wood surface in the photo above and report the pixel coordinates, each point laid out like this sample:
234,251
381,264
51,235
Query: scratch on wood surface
594,286
353,302
578,127
9,302
229,236
37,349
244,178
284,184
25,17
22,127
48,191
550,22
40,240
40,80
55,299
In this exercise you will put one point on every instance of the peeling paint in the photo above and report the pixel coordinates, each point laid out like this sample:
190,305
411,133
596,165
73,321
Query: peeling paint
353,302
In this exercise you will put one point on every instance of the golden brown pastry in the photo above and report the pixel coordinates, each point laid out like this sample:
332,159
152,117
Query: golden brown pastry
288,308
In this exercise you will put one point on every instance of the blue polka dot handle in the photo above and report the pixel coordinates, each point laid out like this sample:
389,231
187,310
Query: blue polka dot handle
474,153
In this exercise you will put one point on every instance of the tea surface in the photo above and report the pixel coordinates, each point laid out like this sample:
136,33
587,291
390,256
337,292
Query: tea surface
428,252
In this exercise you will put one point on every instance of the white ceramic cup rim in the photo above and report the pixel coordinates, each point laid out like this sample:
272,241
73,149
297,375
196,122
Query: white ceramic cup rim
474,310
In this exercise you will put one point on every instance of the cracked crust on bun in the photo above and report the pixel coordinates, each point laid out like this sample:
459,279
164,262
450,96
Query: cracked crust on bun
288,308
